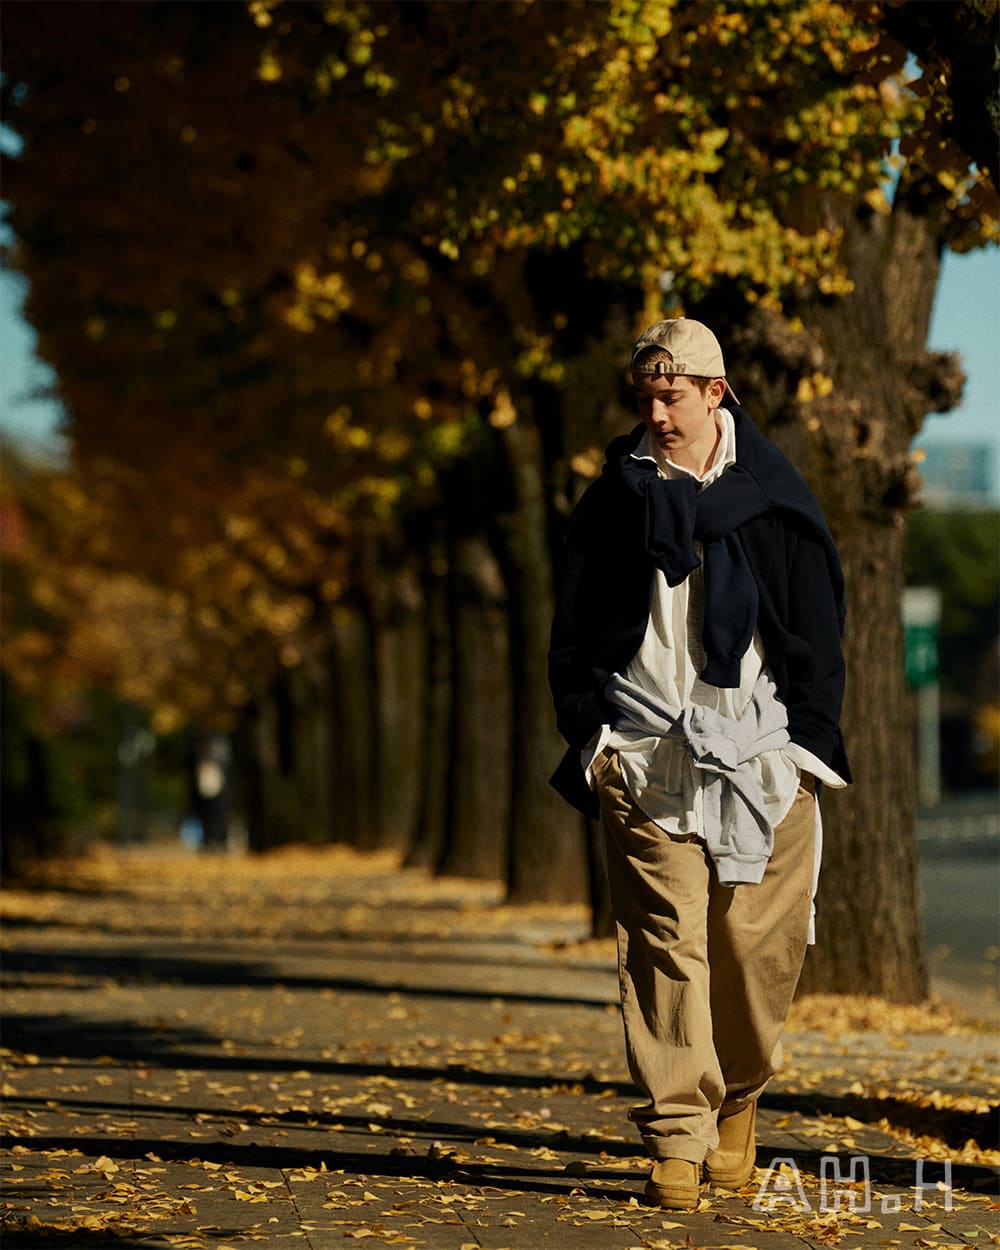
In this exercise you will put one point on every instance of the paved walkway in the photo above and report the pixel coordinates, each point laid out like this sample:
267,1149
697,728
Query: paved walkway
312,1050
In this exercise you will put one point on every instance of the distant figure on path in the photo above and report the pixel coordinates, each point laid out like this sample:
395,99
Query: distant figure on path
697,672
211,760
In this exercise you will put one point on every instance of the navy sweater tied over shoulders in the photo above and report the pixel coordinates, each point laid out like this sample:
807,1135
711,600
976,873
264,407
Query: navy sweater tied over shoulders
769,564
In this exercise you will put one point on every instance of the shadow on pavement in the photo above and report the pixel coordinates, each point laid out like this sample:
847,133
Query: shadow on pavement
398,1166
291,937
67,1038
950,1124
72,1038
886,1169
320,1121
48,1238
21,965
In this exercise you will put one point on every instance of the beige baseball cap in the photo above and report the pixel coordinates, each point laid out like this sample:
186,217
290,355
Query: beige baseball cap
691,346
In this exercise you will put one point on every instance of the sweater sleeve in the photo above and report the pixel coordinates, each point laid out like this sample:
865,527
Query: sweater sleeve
576,685
814,660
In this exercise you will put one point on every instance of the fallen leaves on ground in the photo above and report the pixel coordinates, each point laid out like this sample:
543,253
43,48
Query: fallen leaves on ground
318,1039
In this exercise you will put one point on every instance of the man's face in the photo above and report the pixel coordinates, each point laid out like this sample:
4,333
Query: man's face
680,419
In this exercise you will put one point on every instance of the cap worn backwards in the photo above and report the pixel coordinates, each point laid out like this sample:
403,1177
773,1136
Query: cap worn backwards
692,347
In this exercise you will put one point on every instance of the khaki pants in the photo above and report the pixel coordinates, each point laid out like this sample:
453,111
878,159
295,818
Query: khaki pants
707,972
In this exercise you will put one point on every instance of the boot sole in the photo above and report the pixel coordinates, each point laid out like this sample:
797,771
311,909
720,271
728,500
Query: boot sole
670,1202
729,1180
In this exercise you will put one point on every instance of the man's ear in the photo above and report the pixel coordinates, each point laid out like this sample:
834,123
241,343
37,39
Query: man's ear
716,392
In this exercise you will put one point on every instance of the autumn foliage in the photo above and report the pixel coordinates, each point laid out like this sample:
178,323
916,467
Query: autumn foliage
337,295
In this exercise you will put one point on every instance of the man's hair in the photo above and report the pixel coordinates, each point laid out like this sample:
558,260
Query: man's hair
653,355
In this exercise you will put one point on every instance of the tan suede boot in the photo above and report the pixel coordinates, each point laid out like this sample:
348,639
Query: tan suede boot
731,1163
673,1183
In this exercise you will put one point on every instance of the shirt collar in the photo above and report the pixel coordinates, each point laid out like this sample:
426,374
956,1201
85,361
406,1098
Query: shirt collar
725,453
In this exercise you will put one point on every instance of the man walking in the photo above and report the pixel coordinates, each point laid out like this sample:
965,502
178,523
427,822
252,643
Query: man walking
697,673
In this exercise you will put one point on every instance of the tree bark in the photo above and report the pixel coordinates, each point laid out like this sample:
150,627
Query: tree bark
429,839
868,916
602,913
853,448
269,783
548,856
479,767
309,686
28,814
400,652
352,696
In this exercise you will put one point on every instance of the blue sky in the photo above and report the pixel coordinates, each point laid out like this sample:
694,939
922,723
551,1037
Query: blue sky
966,319
24,414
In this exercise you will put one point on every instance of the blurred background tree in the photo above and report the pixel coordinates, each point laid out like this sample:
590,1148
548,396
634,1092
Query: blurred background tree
339,298
957,552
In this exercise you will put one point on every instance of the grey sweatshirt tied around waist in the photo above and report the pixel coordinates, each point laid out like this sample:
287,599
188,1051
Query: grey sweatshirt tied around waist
738,833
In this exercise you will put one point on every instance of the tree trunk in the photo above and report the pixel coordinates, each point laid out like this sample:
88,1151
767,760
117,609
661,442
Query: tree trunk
868,919
602,913
400,671
28,814
853,448
429,839
548,856
479,765
309,686
352,694
271,794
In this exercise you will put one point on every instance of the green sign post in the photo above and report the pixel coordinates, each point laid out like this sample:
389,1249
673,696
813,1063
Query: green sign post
920,643
921,625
